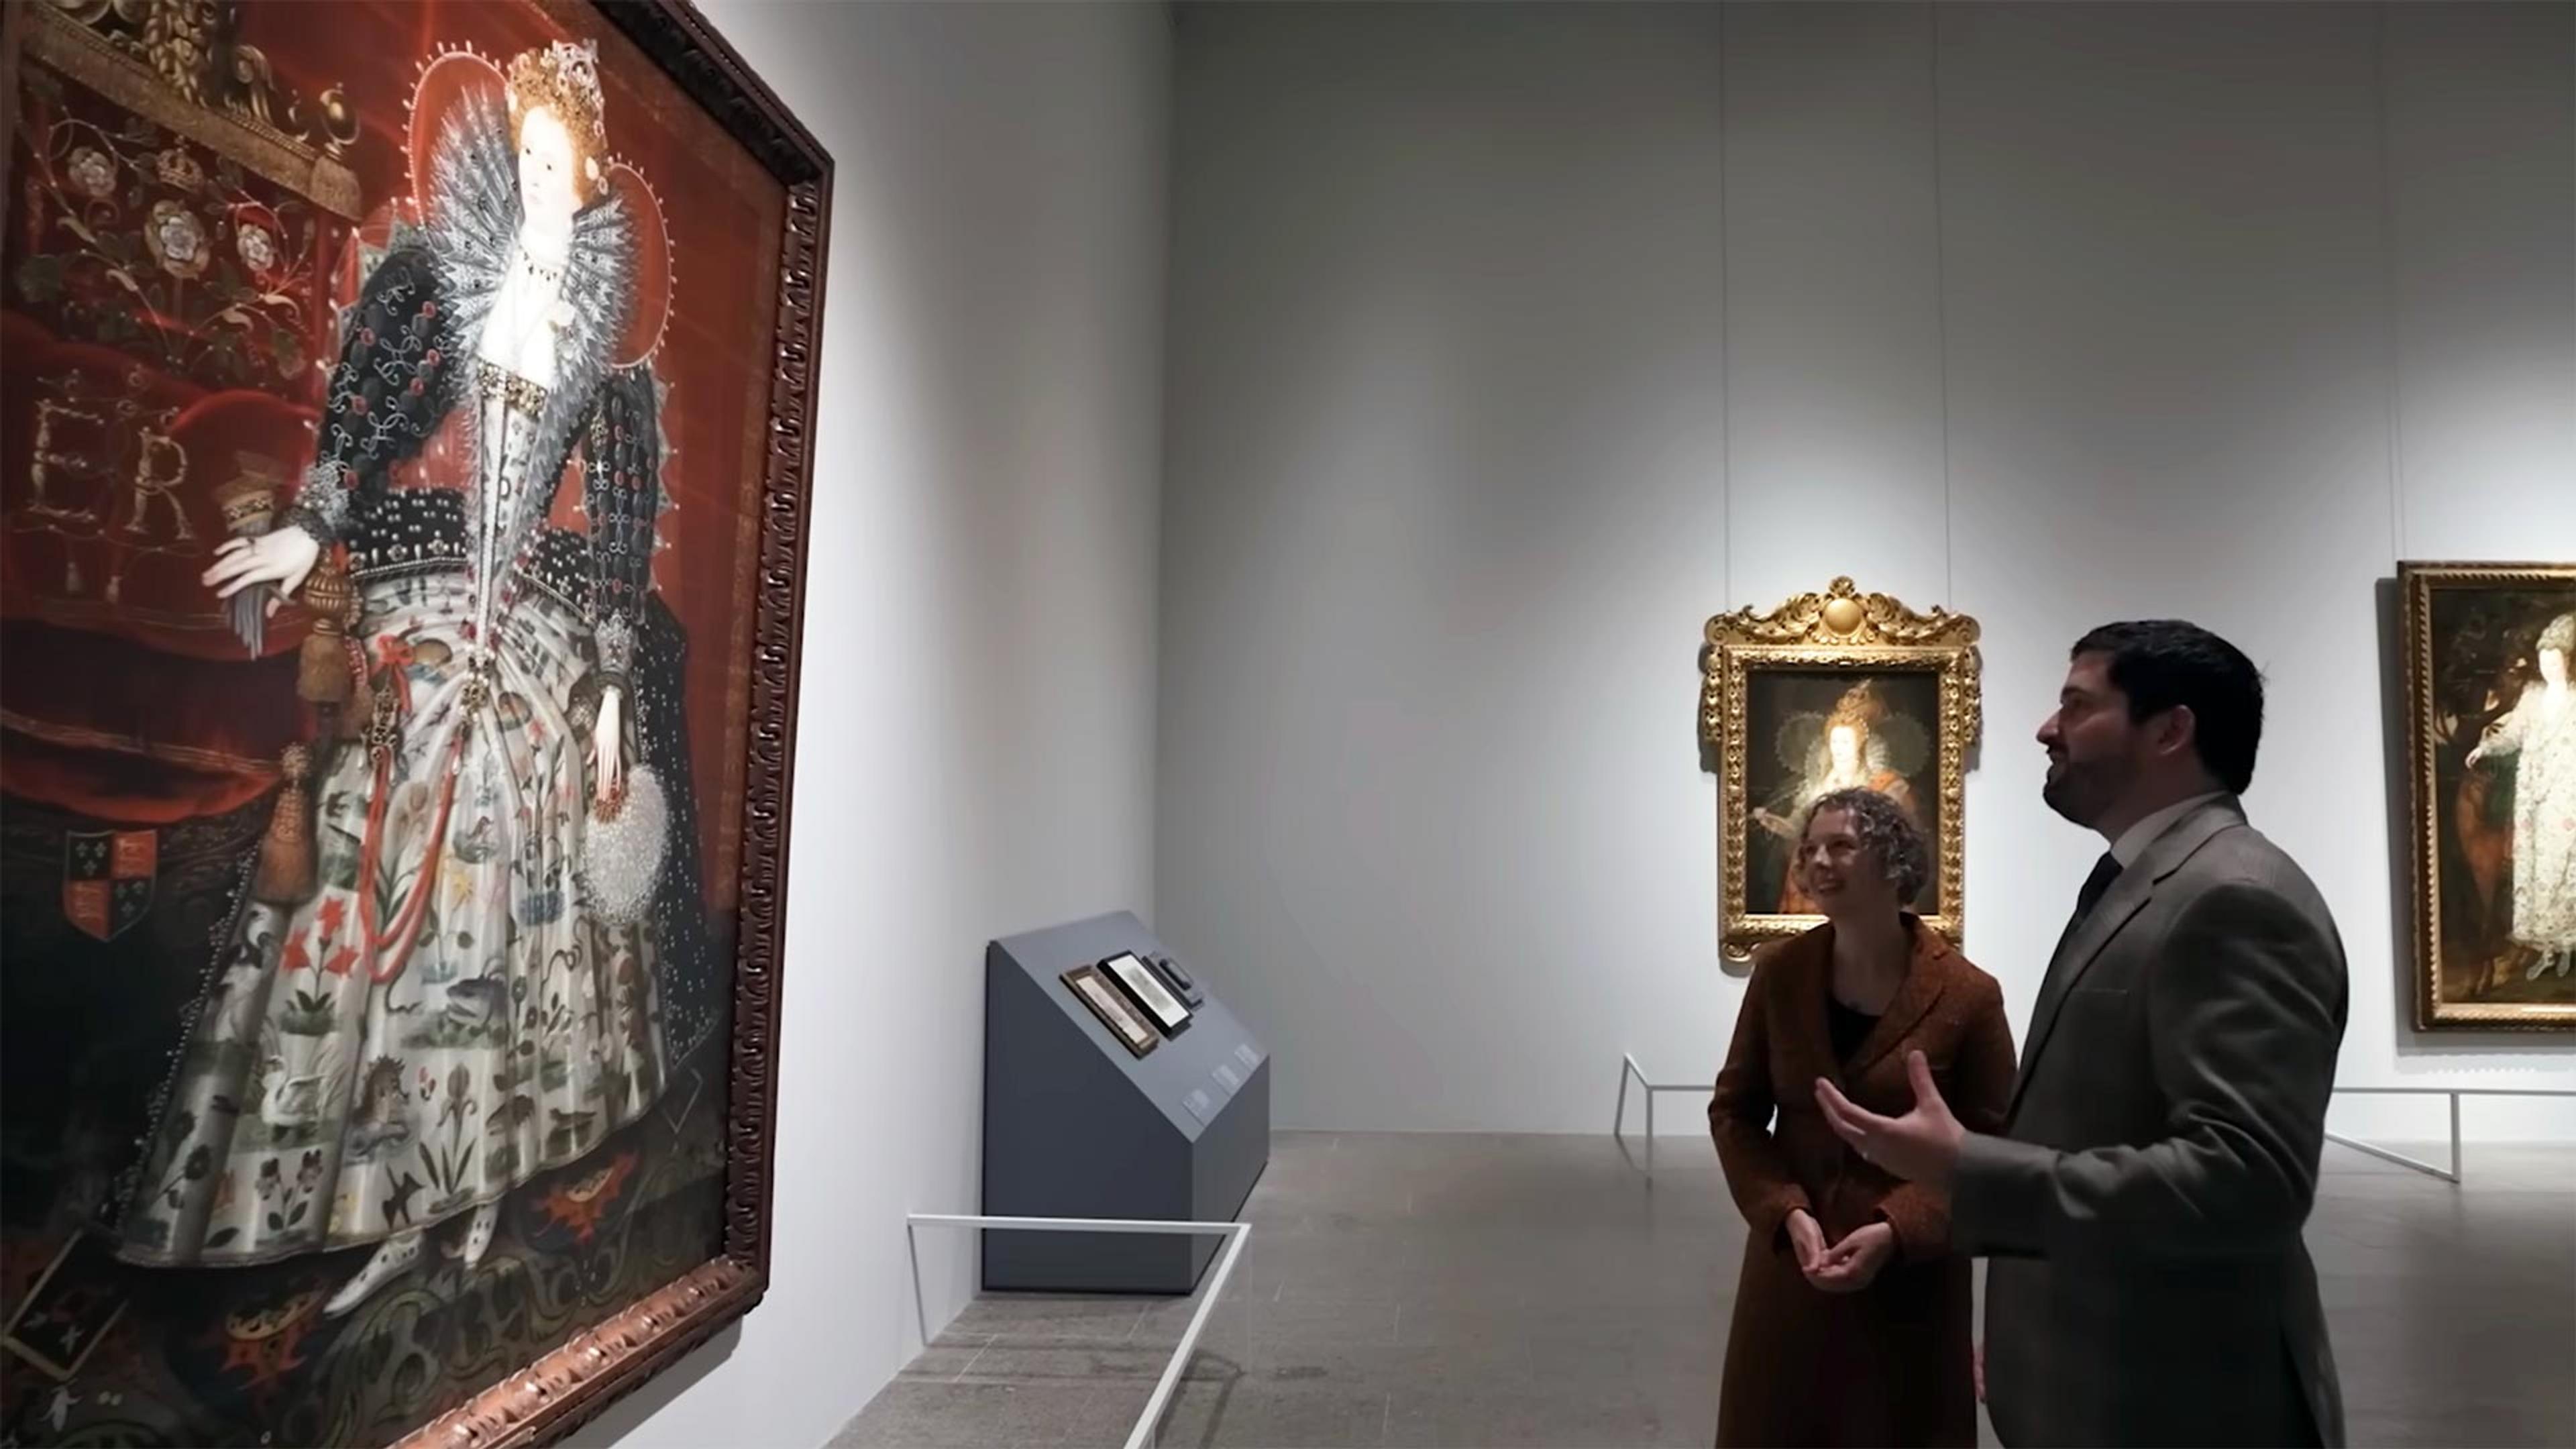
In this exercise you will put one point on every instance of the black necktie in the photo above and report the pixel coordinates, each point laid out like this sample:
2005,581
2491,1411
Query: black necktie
2096,885
2052,985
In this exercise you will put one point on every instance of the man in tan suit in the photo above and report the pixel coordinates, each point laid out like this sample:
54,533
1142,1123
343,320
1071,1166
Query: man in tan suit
2142,1205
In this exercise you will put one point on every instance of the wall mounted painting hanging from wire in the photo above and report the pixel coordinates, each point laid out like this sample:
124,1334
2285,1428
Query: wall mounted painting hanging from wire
403,484
1830,691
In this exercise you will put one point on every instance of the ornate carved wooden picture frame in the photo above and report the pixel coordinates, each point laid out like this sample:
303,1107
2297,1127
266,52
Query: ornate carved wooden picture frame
404,473
2491,754
1827,691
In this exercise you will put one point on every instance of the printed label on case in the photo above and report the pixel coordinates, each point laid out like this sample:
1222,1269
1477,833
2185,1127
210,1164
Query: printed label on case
1233,1079
1244,1053
1200,1105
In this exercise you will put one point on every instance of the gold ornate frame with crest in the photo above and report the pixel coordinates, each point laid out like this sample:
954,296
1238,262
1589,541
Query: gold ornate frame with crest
1908,679
2472,633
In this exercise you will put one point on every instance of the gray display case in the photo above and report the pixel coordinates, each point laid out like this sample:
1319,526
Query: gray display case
1077,1126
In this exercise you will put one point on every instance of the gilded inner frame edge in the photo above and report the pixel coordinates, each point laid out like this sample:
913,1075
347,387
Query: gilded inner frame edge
2418,582
1745,928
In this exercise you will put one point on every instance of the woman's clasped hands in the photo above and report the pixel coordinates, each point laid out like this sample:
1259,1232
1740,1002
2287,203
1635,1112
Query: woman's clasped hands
1847,1266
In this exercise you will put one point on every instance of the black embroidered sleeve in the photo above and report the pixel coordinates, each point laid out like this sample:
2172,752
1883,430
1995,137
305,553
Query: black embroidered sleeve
621,495
386,395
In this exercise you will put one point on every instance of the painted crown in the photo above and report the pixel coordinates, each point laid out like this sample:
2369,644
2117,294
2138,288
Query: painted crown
562,78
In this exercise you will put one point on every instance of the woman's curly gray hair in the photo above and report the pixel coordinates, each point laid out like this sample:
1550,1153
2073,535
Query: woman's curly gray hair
1884,830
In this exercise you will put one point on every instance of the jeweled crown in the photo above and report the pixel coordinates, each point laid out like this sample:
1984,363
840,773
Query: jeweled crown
562,78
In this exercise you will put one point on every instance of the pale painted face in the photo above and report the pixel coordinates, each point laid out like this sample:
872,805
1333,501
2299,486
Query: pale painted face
2553,666
1842,747
547,160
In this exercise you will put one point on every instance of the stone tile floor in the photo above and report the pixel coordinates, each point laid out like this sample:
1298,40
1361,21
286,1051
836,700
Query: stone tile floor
1419,1290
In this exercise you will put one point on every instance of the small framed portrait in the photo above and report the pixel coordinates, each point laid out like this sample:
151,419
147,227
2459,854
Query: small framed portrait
2491,739
1834,691
1149,993
1112,1007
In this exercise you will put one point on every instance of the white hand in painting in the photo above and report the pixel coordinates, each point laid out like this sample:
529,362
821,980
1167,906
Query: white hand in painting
282,558
607,763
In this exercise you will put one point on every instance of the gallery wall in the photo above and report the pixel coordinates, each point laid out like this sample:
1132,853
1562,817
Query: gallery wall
976,728
1509,343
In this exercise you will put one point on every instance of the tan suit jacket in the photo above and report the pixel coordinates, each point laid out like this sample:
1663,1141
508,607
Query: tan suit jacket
2143,1203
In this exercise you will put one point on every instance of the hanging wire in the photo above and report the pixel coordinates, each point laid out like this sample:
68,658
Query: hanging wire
1941,320
2388,293
1725,337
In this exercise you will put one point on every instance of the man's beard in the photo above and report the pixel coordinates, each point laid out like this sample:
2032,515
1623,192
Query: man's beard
2080,792
2058,791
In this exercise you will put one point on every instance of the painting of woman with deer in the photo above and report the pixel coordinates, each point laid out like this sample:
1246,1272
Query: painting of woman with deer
2495,726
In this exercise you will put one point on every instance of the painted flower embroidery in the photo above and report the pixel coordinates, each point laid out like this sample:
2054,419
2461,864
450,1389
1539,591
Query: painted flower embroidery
333,915
91,173
258,248
177,239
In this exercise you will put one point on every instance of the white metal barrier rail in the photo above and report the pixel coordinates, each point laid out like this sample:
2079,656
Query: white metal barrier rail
2455,1094
1628,1068
1235,1234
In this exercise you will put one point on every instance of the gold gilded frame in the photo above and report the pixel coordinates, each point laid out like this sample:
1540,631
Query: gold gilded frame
2417,583
1840,628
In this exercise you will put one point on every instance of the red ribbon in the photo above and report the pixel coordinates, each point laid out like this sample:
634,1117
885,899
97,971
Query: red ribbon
388,952
393,653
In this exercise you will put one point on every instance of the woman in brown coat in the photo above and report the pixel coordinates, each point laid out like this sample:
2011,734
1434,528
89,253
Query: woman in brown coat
1851,1313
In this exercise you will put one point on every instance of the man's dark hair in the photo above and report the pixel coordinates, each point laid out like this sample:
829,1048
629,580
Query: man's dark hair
2161,664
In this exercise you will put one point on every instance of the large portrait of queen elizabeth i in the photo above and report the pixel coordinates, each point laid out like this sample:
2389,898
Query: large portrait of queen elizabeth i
400,508
1831,691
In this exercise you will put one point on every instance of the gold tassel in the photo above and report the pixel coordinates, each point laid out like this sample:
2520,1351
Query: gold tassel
286,875
322,667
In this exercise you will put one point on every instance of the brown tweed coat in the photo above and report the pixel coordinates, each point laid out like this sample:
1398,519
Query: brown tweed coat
1889,1364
